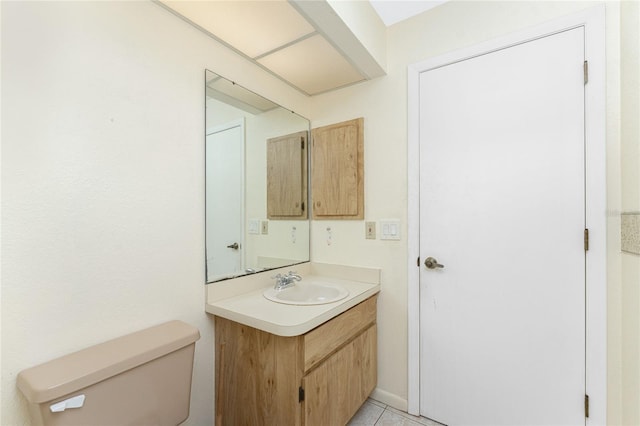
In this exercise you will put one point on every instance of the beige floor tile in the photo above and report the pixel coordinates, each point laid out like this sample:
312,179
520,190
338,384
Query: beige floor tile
367,415
420,420
390,418
375,413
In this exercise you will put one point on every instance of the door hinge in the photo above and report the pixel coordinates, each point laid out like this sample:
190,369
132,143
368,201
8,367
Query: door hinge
302,142
586,72
300,394
303,206
418,262
586,406
586,239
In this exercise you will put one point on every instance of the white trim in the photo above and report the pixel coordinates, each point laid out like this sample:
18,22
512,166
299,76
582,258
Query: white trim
593,21
596,217
413,242
389,398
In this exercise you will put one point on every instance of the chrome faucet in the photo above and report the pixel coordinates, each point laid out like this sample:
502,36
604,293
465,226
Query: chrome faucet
287,280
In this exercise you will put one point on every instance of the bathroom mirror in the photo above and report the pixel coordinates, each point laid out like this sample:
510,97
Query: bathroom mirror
256,182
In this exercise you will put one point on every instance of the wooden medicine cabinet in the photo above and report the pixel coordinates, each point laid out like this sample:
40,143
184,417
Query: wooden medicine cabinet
287,176
337,170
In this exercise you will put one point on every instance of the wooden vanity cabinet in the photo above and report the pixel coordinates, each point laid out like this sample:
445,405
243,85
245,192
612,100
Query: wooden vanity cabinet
320,378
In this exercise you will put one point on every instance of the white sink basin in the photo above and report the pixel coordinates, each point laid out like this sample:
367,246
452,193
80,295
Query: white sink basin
308,293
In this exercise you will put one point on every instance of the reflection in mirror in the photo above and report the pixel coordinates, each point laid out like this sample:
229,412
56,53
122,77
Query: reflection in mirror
256,182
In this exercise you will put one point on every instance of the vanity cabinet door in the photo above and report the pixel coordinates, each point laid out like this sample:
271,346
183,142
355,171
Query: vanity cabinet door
335,390
287,176
257,376
337,170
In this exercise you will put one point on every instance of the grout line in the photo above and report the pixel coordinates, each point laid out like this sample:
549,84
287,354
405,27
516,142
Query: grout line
377,403
414,420
379,417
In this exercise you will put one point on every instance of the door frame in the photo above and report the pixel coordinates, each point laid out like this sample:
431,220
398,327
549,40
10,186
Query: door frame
593,22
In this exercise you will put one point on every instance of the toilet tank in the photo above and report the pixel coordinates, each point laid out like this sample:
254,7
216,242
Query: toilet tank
143,378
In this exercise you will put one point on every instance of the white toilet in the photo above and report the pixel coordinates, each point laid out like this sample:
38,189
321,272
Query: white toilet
143,378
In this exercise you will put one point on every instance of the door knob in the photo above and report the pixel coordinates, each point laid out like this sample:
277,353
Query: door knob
234,246
432,263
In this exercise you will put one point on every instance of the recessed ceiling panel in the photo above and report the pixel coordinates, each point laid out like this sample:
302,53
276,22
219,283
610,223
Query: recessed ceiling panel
312,65
252,27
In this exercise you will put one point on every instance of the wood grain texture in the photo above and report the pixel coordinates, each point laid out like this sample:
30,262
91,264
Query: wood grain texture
336,389
287,176
322,341
337,171
258,375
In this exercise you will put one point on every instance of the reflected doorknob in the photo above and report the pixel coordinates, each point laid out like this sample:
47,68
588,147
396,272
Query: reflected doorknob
234,246
432,263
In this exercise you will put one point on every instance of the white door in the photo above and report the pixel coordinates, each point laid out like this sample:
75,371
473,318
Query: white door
224,200
502,208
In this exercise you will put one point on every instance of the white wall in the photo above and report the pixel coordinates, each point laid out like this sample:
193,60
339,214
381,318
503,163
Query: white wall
630,168
103,180
383,104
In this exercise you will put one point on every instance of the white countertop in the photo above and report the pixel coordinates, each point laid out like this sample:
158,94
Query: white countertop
254,310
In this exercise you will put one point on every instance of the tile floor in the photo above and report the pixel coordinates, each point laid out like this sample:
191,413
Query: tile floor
375,413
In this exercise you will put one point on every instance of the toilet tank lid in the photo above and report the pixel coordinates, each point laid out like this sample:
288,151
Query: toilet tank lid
70,373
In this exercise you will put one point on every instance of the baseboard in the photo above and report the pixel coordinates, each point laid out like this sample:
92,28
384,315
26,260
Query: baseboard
390,399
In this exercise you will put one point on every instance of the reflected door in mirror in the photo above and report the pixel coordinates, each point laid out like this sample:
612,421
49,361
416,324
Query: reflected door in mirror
224,183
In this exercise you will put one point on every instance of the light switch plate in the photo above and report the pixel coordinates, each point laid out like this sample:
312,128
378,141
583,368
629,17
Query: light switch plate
254,226
264,230
370,230
390,229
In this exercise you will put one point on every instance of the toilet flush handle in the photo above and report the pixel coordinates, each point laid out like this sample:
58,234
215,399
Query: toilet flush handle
73,402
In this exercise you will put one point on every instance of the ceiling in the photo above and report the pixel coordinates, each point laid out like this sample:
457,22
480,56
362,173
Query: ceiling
304,43
394,11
